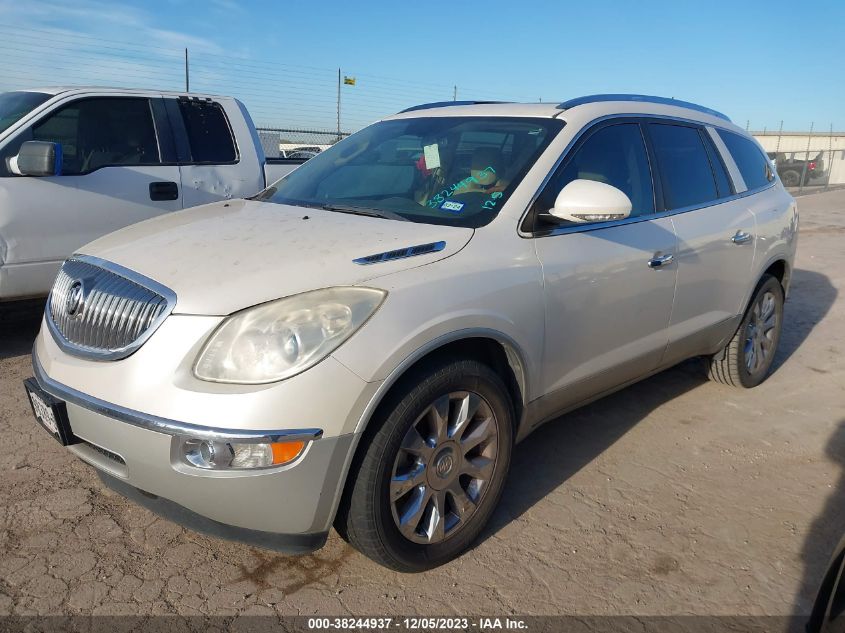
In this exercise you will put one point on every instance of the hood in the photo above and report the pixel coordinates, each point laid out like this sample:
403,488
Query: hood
223,257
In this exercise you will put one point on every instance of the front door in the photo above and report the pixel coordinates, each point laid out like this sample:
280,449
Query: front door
609,287
112,177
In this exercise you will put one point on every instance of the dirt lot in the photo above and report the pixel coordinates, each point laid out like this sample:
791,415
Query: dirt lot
673,496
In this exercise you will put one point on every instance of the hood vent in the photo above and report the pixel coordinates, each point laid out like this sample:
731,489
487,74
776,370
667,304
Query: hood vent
402,253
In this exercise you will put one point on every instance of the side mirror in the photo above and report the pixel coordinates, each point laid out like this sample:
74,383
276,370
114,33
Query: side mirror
37,158
590,201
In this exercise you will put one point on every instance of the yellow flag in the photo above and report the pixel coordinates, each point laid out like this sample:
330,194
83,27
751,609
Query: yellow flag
349,81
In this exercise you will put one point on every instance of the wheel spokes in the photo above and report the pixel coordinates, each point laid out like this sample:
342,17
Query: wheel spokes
400,485
461,503
439,415
409,521
464,414
483,431
443,467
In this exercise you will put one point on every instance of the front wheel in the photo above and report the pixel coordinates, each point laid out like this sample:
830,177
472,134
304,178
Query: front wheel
433,473
746,359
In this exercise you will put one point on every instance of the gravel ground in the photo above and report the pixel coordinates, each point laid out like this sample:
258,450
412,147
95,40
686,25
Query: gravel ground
674,496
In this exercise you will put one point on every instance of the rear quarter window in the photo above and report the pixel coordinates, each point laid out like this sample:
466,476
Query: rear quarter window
752,163
209,133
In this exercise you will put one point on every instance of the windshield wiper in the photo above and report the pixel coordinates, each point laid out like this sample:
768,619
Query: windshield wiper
367,211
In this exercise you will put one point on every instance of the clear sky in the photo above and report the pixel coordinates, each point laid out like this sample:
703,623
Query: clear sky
761,62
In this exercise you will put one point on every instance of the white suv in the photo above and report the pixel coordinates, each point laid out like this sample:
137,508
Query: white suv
363,343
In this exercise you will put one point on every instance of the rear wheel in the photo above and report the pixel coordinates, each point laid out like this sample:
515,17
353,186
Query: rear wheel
433,473
790,178
746,359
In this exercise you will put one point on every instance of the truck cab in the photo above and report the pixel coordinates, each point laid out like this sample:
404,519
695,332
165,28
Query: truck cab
78,163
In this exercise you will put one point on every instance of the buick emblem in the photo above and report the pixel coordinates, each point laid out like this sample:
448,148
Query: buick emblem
75,299
444,465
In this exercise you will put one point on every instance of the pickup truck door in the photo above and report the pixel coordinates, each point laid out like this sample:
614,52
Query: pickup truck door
220,155
608,286
114,174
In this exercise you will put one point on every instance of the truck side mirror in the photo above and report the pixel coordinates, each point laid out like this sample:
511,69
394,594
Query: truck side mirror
590,201
37,158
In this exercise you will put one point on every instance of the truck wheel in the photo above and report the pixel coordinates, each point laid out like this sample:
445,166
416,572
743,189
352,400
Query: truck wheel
746,359
790,178
433,472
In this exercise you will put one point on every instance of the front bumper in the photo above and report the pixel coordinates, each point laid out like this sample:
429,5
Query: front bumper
287,508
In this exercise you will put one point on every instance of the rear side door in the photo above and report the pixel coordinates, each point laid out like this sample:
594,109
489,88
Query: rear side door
219,154
716,237
607,305
118,169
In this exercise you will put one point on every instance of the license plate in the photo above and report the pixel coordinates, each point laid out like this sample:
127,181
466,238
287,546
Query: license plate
50,412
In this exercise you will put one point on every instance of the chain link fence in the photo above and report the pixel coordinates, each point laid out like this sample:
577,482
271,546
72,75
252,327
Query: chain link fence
296,143
806,161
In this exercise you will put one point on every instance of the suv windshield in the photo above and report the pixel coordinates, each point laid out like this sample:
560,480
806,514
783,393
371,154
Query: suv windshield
439,170
15,105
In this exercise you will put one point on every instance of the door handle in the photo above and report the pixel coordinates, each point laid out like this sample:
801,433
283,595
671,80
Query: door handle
660,261
741,237
164,191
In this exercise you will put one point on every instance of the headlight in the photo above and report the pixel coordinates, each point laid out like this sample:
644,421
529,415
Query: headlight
282,338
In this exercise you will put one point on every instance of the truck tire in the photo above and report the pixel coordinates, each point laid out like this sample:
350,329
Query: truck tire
790,178
746,359
431,473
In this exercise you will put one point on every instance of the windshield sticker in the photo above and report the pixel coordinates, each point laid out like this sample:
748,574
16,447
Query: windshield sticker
437,199
451,205
432,156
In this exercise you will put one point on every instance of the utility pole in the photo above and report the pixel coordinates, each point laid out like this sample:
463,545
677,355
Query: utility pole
338,104
455,94
187,79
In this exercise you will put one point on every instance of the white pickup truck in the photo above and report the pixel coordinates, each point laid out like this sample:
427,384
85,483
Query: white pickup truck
77,163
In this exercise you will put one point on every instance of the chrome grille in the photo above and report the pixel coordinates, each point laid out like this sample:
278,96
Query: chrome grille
102,310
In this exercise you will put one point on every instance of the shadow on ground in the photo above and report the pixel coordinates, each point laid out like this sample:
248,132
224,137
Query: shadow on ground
19,324
827,529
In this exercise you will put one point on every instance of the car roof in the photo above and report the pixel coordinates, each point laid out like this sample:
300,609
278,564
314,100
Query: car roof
57,90
581,109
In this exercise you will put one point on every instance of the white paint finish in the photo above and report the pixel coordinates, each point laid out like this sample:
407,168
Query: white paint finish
604,306
228,256
714,273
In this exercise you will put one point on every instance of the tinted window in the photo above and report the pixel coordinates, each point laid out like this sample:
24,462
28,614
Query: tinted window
208,131
95,133
720,172
755,169
15,105
615,155
458,171
685,170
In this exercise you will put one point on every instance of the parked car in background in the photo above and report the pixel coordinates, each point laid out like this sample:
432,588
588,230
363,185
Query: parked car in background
361,344
302,154
796,171
77,163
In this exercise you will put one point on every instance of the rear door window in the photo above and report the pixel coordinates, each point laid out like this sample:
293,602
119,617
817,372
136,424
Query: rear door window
756,170
209,133
685,170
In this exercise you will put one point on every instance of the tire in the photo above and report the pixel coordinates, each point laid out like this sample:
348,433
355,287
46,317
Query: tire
747,358
790,178
397,480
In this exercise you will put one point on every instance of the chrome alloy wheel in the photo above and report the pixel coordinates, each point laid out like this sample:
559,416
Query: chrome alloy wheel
760,333
444,467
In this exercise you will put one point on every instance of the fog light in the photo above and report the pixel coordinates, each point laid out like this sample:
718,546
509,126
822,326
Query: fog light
217,455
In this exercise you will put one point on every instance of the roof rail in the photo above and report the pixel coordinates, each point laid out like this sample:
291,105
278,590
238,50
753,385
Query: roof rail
642,98
446,104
